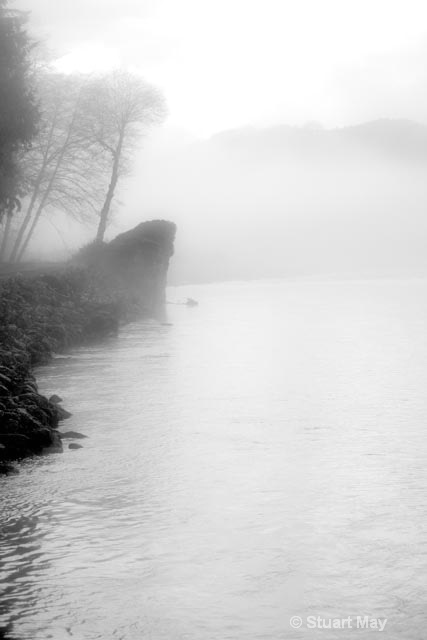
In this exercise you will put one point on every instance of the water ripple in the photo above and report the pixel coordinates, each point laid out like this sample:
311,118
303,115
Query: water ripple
261,458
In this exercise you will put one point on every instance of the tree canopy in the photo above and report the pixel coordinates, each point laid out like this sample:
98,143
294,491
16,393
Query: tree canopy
18,111
123,107
65,140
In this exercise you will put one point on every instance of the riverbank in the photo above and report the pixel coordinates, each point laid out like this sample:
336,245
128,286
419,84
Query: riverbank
49,313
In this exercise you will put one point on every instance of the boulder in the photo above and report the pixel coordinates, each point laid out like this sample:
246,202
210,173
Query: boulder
71,434
55,399
55,445
63,414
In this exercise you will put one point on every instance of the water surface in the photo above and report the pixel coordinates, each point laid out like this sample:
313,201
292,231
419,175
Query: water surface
264,456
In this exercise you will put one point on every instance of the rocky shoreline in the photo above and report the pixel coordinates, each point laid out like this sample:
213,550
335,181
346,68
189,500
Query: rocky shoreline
48,313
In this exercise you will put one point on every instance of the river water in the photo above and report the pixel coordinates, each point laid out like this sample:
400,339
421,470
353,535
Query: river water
262,456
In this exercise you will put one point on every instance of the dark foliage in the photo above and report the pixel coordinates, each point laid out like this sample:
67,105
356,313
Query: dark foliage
68,306
39,316
18,111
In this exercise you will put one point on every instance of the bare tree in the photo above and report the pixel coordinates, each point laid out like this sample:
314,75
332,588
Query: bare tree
6,225
60,166
88,132
124,107
76,188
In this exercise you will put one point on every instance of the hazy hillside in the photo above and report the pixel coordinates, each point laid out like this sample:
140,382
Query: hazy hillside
400,139
301,200
284,200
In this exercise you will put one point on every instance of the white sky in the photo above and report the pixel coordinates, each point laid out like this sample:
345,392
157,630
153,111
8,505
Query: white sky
229,63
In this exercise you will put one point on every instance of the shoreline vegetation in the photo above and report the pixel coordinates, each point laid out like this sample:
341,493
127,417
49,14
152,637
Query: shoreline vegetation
49,312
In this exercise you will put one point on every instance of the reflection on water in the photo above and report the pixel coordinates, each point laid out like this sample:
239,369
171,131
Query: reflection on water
262,457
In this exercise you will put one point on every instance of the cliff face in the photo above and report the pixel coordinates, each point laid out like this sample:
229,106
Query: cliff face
53,311
134,265
138,260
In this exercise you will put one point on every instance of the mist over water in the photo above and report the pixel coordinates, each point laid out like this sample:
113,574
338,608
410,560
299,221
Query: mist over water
297,147
252,462
273,202
279,202
261,457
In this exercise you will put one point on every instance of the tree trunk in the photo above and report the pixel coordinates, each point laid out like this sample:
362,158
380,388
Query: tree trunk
5,237
25,223
49,186
35,193
41,206
32,228
103,217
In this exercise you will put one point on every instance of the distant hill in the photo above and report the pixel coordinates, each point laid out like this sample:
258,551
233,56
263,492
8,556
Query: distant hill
278,201
398,139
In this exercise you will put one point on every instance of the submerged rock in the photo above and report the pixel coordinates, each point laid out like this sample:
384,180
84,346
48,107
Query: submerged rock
74,445
63,414
7,469
55,446
71,434
55,399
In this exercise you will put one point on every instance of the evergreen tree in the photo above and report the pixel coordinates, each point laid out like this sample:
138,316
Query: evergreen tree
18,111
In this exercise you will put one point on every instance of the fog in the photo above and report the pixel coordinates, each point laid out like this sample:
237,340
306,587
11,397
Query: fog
213,266
280,202
284,201
297,147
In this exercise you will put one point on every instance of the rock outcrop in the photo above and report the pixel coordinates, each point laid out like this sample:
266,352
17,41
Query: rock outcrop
51,312
134,265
